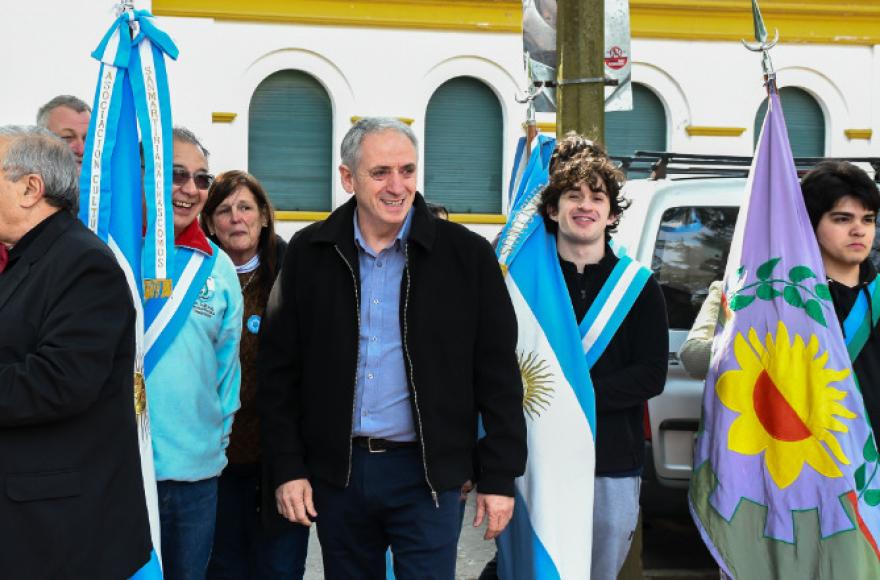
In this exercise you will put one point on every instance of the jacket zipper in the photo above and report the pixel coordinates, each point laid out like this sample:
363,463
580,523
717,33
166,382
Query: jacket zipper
357,364
412,378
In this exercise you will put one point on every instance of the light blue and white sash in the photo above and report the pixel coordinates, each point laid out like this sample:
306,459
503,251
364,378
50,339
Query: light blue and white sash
165,318
611,306
859,324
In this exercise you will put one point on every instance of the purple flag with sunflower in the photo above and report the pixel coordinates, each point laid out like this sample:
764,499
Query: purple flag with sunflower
785,481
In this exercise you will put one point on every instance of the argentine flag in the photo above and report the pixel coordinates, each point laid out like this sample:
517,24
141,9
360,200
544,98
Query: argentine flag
132,106
550,535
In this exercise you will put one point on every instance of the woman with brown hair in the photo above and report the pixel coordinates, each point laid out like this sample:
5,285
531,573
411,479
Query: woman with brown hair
239,218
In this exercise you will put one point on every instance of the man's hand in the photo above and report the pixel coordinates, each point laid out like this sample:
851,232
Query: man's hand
466,488
498,510
294,501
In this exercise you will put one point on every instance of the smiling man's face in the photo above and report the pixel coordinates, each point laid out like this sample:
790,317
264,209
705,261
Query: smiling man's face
384,182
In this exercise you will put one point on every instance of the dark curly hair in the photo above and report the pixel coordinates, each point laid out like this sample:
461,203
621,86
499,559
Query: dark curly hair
577,160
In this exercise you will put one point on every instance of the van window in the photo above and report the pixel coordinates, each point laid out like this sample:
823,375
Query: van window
690,253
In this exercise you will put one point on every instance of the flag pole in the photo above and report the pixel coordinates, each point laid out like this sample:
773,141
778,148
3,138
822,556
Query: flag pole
763,46
528,96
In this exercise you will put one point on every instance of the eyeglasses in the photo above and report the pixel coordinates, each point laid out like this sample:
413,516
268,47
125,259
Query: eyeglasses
384,172
180,176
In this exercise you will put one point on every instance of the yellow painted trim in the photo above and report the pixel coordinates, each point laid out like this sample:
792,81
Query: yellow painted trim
544,127
471,15
407,120
478,218
218,117
799,21
301,216
852,134
701,131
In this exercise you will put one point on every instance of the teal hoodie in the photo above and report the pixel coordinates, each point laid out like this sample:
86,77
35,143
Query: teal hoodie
193,391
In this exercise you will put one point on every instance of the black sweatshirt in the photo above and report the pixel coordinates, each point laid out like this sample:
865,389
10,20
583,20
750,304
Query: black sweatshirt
867,363
630,371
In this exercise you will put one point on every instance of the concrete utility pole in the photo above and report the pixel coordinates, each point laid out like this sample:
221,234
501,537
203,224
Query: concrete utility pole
580,50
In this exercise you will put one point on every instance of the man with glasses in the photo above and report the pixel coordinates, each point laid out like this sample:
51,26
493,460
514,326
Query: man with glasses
193,390
387,332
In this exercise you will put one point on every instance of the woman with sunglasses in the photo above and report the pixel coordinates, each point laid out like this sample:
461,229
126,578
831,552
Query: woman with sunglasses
239,218
193,390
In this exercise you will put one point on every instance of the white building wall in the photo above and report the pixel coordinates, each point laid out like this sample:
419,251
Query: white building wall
372,71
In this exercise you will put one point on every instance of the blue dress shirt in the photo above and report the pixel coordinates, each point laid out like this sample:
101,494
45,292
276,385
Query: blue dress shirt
382,402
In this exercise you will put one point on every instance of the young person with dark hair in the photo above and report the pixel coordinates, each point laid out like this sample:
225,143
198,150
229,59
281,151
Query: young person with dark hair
582,205
842,203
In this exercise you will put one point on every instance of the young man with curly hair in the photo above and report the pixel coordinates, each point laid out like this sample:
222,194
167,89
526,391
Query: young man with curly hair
582,206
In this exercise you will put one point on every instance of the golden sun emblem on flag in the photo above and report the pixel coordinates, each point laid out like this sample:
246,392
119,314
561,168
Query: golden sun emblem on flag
787,407
537,378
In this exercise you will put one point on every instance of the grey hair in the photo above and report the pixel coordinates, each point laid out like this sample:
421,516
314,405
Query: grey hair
184,135
350,150
69,101
35,150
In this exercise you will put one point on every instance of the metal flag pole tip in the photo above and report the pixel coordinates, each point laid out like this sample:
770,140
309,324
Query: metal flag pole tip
763,46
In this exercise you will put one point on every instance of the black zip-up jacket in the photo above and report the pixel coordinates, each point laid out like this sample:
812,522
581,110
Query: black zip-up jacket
458,332
867,363
630,371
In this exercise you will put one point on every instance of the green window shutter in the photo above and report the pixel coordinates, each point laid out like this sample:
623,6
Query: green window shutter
804,119
290,141
463,147
643,128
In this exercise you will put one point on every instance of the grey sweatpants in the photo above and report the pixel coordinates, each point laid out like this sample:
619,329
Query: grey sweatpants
615,516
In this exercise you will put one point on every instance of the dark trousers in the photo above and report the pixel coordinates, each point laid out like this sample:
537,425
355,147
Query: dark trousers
243,549
387,503
187,510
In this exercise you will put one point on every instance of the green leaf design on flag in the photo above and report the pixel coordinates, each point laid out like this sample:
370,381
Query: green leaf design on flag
765,270
800,273
740,301
741,272
872,497
793,297
860,476
870,450
767,292
814,311
823,292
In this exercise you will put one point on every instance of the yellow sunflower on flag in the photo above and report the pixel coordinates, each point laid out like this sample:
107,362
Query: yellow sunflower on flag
787,405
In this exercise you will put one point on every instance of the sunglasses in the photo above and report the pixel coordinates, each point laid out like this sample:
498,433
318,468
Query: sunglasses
181,176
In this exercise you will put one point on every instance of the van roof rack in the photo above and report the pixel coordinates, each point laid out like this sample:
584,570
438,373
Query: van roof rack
666,164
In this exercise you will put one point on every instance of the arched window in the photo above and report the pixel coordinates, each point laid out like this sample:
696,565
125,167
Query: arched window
290,141
804,119
643,128
463,147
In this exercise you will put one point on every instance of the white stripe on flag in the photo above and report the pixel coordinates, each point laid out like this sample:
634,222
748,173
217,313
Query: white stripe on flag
174,302
610,305
135,296
558,482
145,442
156,130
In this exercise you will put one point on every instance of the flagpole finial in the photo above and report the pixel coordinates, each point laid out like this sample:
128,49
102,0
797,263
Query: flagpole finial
531,93
763,46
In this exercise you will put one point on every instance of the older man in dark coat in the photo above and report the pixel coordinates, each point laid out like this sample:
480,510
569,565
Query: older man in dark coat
72,501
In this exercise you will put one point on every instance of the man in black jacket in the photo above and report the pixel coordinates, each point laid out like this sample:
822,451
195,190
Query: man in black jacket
387,332
73,498
582,206
842,203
